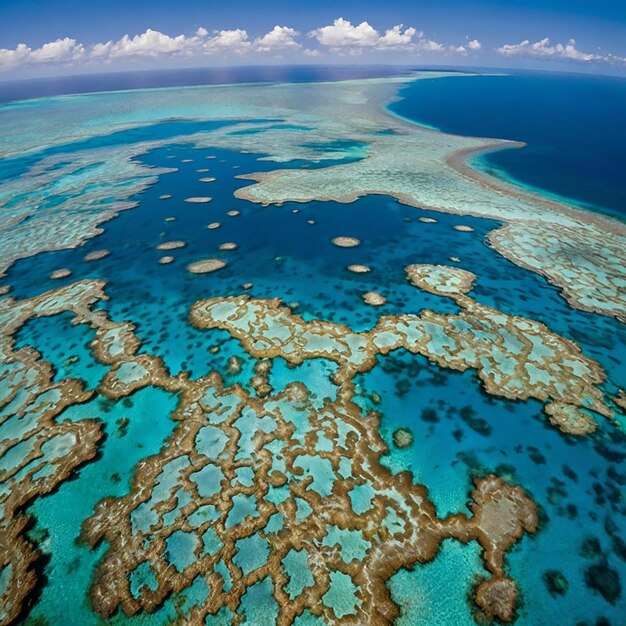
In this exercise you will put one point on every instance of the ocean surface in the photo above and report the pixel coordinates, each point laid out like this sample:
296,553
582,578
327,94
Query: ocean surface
574,125
150,79
285,252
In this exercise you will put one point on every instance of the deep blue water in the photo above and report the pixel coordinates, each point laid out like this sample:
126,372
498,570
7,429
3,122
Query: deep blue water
92,83
574,125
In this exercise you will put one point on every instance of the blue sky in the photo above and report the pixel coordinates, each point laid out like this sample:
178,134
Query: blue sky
46,37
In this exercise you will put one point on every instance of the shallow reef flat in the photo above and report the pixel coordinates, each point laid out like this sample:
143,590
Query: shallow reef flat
37,452
251,484
293,471
515,357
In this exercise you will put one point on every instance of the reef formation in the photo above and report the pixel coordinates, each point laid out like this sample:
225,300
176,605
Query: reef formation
248,486
514,357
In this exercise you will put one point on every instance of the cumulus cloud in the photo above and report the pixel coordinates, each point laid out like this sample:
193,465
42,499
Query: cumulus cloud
396,37
279,38
59,51
614,58
342,34
343,37
339,38
543,48
152,43
428,45
227,41
15,57
471,46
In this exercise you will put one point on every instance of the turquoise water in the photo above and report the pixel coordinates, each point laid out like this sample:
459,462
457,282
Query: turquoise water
459,431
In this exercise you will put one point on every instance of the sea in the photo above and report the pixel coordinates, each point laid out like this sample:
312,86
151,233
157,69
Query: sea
574,126
572,571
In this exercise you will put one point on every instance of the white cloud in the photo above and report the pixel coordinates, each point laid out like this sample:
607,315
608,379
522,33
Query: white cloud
339,38
227,41
471,46
152,43
395,37
614,58
342,34
59,51
428,45
279,38
343,37
12,58
543,49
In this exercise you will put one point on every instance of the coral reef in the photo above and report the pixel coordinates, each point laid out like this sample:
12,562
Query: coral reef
37,452
245,485
205,266
514,357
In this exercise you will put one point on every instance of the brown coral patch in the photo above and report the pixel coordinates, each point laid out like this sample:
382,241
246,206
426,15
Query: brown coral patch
205,266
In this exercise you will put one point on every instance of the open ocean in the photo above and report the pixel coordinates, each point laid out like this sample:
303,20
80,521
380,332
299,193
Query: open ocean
574,125
151,79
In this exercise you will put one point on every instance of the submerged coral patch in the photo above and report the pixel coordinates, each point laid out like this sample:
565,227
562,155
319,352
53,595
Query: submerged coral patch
96,255
198,199
402,438
171,245
37,451
516,358
374,298
441,279
346,242
206,266
61,273
223,430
